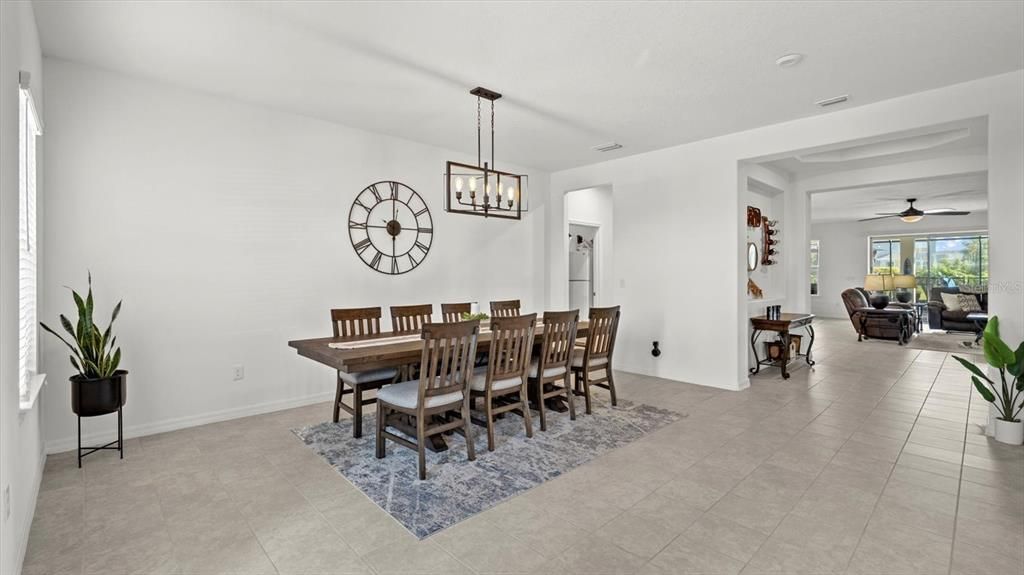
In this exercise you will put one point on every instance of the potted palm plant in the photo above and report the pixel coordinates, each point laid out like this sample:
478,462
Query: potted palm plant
1006,394
99,387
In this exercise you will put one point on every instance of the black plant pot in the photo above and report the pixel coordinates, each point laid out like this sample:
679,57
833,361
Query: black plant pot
904,296
90,397
879,301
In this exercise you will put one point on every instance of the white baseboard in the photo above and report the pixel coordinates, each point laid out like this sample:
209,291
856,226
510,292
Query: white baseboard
26,528
70,443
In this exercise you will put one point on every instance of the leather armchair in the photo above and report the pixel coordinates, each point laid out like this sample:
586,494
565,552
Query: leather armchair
889,323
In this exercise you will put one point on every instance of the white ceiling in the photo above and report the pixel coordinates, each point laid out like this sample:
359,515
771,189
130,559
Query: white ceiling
574,74
968,192
974,140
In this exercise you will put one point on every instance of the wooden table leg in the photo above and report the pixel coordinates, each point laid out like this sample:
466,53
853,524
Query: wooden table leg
357,411
784,336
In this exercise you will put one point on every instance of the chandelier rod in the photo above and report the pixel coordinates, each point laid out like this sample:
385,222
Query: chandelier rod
479,159
492,133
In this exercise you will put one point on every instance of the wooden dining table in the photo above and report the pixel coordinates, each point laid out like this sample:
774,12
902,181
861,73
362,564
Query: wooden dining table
360,353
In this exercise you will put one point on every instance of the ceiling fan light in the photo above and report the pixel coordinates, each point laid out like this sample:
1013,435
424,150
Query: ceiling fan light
911,218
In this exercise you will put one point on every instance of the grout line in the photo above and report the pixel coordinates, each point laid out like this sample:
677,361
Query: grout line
960,481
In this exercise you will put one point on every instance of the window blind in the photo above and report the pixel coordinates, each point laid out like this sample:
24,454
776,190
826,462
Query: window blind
28,333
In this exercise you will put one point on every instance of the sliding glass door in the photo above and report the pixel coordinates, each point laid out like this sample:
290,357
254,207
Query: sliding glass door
950,261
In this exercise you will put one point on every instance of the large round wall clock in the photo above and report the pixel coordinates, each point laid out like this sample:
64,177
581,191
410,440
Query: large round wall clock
390,227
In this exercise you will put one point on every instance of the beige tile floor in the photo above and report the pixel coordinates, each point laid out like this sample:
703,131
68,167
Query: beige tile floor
874,462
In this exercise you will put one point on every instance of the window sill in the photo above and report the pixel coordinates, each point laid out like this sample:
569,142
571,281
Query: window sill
31,395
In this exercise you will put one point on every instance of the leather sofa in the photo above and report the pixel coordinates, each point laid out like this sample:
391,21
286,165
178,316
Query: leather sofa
893,322
939,317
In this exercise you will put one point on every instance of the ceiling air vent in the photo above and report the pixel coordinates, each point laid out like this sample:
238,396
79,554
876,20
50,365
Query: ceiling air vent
607,147
832,101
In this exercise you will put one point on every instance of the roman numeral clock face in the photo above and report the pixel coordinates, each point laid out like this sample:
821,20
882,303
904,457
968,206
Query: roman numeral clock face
390,227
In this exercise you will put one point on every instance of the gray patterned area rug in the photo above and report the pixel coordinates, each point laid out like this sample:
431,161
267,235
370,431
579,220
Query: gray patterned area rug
456,489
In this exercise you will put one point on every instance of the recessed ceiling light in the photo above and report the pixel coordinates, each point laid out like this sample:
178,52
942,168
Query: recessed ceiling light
789,60
607,147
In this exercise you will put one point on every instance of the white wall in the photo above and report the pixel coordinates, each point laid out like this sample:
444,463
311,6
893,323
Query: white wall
21,443
595,206
679,225
224,228
844,252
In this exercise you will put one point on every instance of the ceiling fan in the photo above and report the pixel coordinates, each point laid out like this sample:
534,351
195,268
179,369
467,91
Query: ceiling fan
912,214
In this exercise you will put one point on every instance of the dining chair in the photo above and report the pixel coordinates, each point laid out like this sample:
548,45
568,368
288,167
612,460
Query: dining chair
406,319
358,322
445,365
552,364
452,312
506,308
596,354
505,373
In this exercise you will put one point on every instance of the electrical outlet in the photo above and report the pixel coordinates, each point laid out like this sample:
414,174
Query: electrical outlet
239,372
7,502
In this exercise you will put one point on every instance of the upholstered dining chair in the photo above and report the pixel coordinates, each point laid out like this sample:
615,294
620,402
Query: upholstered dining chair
445,365
552,364
452,312
506,308
355,322
406,319
596,354
505,372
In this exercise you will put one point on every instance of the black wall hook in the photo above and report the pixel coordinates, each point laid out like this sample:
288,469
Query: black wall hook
655,351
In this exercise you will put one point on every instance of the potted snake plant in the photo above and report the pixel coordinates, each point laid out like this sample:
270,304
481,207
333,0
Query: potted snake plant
99,387
1006,394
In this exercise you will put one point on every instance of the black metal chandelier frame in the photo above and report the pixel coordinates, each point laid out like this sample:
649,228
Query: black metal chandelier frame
489,201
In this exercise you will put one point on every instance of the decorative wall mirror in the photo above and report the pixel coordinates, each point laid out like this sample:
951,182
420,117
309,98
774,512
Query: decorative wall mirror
752,256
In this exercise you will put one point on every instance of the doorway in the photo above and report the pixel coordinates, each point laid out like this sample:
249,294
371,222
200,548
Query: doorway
582,267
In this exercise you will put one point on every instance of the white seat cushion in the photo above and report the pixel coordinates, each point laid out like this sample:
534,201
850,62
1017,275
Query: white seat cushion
406,395
479,381
548,371
577,359
367,376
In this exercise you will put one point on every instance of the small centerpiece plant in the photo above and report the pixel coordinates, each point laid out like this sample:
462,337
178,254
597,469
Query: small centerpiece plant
466,316
1007,393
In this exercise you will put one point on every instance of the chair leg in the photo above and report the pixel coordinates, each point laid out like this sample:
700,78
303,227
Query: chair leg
524,398
570,399
421,442
611,386
540,405
488,413
586,390
337,399
467,429
381,416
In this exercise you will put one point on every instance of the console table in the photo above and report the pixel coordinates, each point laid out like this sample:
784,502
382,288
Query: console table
783,325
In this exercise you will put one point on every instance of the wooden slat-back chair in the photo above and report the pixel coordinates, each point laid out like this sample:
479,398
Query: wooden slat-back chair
356,322
552,365
407,319
445,367
506,308
452,312
596,354
506,371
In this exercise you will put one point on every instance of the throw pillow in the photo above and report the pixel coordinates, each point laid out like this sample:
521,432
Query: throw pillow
969,302
951,301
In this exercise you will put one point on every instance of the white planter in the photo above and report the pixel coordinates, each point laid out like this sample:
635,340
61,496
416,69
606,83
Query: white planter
1011,432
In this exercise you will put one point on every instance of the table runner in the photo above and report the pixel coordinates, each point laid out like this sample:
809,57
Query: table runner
361,343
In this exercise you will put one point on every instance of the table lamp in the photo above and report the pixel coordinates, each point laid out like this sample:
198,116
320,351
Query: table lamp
905,285
877,285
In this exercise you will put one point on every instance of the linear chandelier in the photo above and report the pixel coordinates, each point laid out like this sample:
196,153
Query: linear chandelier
481,190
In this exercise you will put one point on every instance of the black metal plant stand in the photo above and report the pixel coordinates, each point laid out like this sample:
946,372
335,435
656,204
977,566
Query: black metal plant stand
117,444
